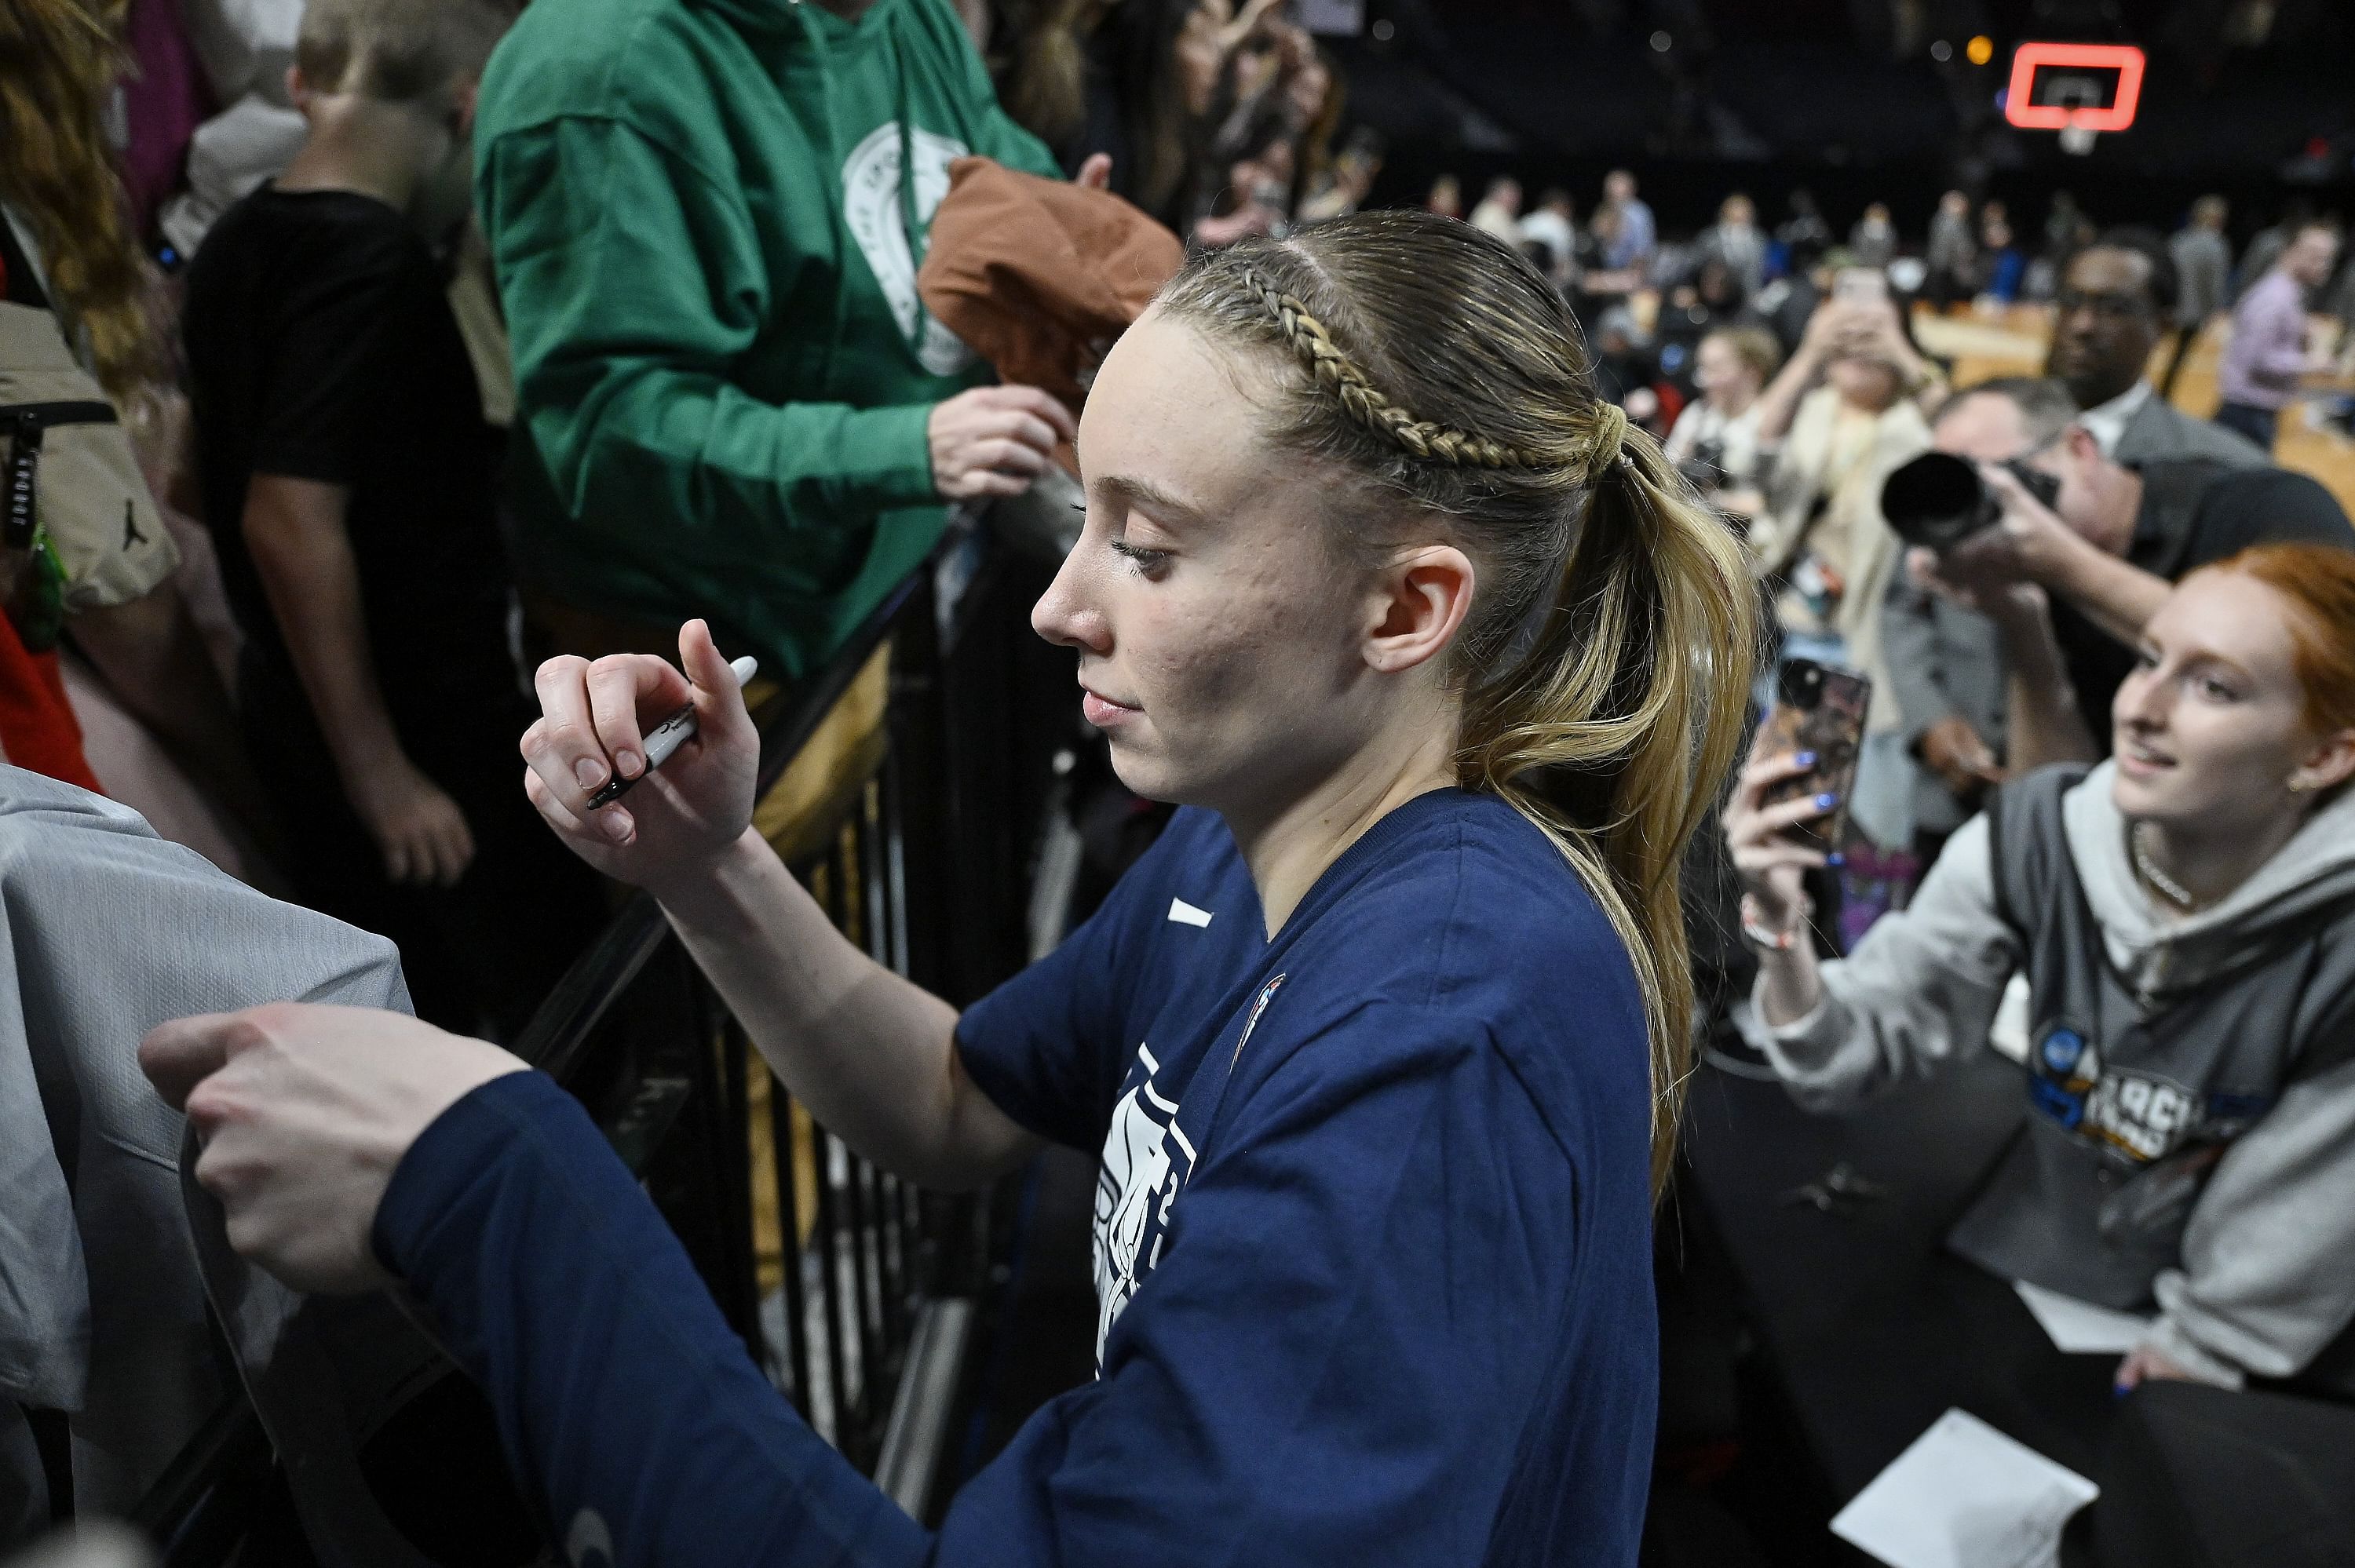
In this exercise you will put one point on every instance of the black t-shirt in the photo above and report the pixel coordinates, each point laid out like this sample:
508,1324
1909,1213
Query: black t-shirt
2193,512
321,346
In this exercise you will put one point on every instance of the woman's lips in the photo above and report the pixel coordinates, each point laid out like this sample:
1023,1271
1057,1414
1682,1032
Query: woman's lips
1102,712
2135,764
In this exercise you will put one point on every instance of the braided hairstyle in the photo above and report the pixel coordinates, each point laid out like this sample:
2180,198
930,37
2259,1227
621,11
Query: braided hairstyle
1605,665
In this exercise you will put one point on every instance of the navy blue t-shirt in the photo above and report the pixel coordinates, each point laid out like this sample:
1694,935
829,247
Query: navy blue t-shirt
1372,1245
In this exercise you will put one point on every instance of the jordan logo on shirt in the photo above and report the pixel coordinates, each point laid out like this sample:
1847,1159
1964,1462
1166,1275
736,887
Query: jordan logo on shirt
1148,1160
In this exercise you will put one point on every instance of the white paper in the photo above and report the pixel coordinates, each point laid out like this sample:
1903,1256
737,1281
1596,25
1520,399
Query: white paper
2007,1034
2080,1328
1965,1496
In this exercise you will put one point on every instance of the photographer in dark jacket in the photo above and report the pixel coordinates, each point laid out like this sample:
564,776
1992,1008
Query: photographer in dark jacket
2068,586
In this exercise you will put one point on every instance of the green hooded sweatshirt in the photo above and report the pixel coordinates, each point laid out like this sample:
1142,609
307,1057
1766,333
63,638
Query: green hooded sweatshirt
707,261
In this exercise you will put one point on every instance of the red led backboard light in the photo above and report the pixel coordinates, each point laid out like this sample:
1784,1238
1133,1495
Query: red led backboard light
2124,59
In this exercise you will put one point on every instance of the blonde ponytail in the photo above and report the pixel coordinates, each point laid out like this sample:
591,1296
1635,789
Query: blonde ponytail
1605,665
1614,730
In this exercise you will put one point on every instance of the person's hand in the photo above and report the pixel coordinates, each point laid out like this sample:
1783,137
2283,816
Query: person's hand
1251,217
2028,543
594,717
1985,581
1245,22
303,1112
417,827
1883,337
1828,325
994,440
1307,90
1770,863
1199,58
1952,750
1875,325
1293,46
2143,1361
1095,172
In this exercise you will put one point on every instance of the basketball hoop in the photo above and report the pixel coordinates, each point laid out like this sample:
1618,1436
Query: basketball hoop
2077,89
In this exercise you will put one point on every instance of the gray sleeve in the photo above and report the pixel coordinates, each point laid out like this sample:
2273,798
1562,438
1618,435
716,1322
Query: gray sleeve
1913,656
2268,1275
115,930
1919,989
106,931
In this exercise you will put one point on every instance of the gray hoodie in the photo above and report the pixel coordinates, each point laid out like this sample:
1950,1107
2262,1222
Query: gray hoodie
2265,1279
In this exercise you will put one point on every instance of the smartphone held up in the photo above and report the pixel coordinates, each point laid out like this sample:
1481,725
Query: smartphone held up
1818,708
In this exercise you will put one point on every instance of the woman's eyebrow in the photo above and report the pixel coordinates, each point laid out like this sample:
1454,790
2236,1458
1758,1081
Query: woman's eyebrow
1153,498
2199,656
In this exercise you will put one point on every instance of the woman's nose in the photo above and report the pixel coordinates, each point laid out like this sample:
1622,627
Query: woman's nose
1064,615
2141,702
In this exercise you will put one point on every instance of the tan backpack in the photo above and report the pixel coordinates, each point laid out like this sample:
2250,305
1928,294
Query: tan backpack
73,503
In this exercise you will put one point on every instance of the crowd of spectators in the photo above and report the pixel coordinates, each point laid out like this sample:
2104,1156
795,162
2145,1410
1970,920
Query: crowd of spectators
305,656
463,348
1782,369
1787,375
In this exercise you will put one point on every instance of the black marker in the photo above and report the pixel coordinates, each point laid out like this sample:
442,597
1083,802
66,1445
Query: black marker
667,737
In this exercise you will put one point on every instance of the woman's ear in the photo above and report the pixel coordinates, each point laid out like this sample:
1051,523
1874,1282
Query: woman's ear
1419,603
2331,764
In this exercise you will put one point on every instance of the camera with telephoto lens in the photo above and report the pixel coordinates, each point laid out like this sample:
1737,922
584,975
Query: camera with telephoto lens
1939,500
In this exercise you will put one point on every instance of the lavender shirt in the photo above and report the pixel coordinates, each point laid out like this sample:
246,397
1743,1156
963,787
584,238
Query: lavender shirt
2267,354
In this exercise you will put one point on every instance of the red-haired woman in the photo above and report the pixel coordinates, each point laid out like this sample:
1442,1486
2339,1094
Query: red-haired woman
2185,914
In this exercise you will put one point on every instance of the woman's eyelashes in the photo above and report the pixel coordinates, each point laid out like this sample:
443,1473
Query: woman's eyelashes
1145,562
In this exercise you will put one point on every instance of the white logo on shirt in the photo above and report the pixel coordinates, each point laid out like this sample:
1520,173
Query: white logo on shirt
1185,914
1148,1160
870,206
1136,1186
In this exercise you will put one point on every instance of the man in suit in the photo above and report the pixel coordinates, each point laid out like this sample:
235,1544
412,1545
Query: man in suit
2118,299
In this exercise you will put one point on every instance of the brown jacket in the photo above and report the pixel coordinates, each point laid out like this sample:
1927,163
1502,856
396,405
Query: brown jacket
1035,273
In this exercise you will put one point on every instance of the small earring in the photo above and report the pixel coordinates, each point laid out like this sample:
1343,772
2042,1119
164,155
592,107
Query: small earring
2298,788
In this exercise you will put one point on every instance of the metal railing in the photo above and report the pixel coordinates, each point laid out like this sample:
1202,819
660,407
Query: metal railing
856,1292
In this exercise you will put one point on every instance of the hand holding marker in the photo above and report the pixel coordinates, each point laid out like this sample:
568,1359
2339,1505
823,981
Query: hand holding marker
665,738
